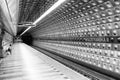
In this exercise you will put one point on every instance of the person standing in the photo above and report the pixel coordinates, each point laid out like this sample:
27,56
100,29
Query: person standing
9,49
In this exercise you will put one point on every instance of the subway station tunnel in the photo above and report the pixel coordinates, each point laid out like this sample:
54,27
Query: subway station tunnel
60,39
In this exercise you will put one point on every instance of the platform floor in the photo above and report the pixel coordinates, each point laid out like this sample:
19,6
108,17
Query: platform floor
26,63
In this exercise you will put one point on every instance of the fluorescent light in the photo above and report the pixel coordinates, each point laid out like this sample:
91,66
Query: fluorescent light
58,3
25,31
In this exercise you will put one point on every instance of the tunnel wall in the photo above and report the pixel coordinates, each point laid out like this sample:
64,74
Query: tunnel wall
84,30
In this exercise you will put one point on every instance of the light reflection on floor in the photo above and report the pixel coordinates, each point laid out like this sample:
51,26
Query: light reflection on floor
24,65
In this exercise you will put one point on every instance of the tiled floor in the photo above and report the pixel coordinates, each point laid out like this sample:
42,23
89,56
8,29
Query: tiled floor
24,64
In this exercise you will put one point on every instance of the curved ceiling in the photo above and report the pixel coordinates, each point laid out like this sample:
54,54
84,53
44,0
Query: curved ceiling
30,10
17,12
